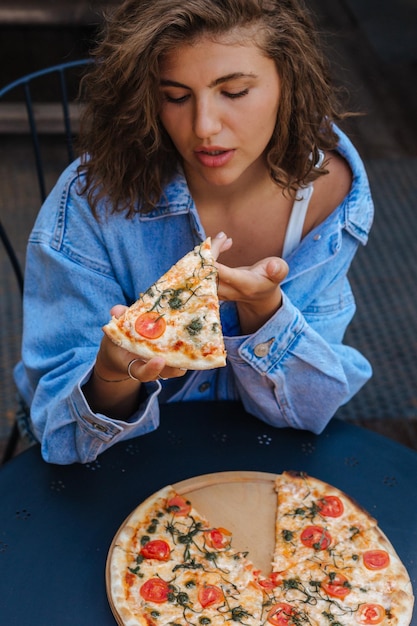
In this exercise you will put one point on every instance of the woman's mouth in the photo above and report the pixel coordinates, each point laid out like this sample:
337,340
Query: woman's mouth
213,157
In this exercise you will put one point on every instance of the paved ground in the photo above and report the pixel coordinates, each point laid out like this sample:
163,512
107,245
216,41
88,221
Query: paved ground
374,54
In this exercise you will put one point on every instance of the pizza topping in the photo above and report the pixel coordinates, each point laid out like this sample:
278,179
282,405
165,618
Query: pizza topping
336,585
178,506
287,535
150,325
316,537
218,538
156,549
208,595
194,327
330,506
376,559
273,580
281,614
370,614
155,590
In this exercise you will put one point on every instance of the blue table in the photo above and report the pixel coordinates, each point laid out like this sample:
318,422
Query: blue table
57,522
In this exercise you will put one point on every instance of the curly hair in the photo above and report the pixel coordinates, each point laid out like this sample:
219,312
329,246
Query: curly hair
128,157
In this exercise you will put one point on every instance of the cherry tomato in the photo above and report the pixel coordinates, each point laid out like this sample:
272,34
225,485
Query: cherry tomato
336,586
370,614
156,549
316,537
150,325
179,506
155,590
376,559
273,580
330,506
209,595
218,538
280,614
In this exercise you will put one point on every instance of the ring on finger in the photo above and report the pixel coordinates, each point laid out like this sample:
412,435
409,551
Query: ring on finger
129,370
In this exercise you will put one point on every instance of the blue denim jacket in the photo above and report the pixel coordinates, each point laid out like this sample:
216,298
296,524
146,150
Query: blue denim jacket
294,371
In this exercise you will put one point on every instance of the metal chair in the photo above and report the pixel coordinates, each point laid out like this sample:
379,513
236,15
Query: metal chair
41,103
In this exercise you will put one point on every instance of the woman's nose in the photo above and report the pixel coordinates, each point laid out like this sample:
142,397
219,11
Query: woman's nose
207,120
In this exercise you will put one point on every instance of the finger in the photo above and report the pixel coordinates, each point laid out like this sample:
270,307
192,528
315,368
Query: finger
172,372
154,369
220,243
147,372
276,270
118,310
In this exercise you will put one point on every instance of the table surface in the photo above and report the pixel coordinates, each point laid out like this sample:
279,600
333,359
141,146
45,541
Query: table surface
57,522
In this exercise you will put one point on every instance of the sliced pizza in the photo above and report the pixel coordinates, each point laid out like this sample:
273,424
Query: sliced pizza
332,565
332,562
178,317
169,566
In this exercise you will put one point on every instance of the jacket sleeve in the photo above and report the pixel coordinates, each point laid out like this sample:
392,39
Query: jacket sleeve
59,352
70,285
295,378
295,370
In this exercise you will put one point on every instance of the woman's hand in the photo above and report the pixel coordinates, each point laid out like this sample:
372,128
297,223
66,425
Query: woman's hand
114,386
255,289
113,361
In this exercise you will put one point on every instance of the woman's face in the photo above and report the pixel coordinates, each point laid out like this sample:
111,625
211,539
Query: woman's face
219,106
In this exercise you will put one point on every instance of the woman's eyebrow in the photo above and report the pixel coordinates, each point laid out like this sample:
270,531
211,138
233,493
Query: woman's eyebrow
233,76
165,82
172,83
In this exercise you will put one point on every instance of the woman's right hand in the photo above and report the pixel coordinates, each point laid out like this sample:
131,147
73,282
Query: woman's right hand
113,362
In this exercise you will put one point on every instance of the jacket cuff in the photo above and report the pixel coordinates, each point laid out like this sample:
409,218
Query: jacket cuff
100,426
264,349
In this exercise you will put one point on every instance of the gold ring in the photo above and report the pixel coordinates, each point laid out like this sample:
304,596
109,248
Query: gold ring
130,373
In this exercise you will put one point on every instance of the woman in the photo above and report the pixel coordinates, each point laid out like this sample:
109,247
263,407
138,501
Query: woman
204,117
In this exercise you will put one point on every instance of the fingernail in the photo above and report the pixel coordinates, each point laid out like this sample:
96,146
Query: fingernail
220,235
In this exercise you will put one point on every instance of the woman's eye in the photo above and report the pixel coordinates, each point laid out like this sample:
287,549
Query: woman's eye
238,94
177,100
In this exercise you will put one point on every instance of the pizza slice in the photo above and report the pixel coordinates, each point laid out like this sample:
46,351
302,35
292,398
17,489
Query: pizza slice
332,563
313,519
178,317
169,566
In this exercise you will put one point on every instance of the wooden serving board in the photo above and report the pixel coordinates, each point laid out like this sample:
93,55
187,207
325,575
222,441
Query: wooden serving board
243,502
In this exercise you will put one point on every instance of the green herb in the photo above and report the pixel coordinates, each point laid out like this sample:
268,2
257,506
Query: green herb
287,535
239,613
152,528
175,302
194,326
188,565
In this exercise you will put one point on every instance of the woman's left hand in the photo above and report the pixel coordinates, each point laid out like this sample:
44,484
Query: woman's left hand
256,289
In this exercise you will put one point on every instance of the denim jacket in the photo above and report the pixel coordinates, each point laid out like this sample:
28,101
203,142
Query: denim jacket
294,371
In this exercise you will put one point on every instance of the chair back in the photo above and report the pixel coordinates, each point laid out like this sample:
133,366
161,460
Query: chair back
39,116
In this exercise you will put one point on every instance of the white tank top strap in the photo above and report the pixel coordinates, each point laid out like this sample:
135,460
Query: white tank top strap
296,221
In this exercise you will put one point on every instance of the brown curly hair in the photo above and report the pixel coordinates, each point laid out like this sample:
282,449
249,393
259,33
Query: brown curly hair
128,157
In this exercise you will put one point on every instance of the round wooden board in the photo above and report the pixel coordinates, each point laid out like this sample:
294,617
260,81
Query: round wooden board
243,502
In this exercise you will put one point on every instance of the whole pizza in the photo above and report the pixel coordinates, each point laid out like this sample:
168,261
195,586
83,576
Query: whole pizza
331,566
